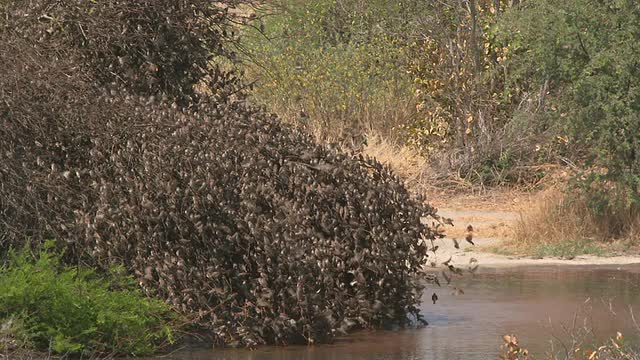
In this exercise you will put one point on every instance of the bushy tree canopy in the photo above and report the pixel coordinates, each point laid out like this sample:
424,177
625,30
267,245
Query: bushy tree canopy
587,52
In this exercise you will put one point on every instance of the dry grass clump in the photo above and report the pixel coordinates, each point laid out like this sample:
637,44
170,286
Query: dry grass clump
405,161
365,123
560,222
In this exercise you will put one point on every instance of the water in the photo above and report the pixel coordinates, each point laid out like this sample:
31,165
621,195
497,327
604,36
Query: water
539,304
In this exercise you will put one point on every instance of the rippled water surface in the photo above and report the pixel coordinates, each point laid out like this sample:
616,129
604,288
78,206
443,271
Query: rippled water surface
536,303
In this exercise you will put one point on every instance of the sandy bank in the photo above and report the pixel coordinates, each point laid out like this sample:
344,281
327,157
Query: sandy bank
492,220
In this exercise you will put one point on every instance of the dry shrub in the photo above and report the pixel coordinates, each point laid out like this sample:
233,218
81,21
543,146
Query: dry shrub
614,349
560,216
511,349
335,68
579,340
250,228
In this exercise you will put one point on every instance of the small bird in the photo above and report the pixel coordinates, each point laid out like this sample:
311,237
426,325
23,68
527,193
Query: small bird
304,117
434,298
469,236
446,277
457,291
455,270
446,263
473,269
469,239
433,278
346,325
378,305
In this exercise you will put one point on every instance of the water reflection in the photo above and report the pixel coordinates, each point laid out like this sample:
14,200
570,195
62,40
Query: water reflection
534,303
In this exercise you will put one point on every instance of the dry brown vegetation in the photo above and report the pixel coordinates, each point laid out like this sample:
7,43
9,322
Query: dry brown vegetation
578,340
404,160
352,128
556,216
483,119
576,349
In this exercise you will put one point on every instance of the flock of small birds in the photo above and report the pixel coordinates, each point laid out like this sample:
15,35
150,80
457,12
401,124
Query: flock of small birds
450,268
245,225
468,237
248,227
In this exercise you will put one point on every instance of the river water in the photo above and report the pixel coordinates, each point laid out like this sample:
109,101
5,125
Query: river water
538,304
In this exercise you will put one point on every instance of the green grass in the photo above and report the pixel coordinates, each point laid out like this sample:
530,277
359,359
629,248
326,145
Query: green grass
563,249
568,249
48,306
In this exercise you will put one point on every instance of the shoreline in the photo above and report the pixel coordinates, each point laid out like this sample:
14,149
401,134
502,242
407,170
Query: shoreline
492,219
462,257
490,260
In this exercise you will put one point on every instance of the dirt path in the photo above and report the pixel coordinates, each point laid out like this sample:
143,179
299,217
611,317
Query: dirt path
493,217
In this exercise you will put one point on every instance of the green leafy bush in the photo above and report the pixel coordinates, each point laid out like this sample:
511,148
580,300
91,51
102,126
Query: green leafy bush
14,335
582,56
74,310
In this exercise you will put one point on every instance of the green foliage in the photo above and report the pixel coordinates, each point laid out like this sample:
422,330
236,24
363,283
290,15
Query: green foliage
342,65
471,120
14,334
74,310
584,53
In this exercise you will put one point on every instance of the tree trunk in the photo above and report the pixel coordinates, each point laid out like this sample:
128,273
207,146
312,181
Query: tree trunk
474,36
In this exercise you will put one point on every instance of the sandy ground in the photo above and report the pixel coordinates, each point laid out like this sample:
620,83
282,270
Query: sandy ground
492,216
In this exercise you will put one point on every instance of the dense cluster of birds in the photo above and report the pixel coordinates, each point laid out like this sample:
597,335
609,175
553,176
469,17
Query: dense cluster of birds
246,226
258,232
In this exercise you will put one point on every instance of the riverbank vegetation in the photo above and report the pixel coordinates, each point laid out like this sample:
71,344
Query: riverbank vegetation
487,93
72,310
577,348
581,231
